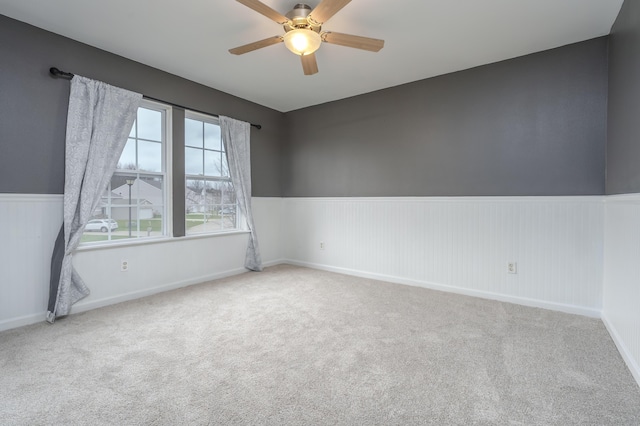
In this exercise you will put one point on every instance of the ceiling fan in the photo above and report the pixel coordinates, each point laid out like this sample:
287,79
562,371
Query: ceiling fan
303,34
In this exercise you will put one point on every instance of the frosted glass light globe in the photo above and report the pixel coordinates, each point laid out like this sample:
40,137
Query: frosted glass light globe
302,41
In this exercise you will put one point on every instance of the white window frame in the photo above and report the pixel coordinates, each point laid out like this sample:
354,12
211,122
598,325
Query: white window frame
238,216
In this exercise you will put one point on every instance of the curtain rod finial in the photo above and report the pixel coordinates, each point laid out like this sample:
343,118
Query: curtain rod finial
57,73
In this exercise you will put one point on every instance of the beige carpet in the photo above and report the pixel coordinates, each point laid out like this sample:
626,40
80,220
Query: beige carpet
294,346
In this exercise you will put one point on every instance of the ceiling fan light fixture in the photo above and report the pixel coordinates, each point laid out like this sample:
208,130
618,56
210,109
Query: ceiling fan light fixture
303,33
302,41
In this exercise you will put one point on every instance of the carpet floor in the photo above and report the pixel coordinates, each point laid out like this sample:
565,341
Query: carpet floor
295,346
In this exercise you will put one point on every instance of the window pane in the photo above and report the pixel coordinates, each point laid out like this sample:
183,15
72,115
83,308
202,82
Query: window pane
212,164
204,209
197,216
150,221
215,192
228,193
228,217
132,133
212,137
202,219
146,221
120,189
193,161
193,133
194,219
99,228
194,186
194,194
124,228
128,156
149,124
149,190
149,156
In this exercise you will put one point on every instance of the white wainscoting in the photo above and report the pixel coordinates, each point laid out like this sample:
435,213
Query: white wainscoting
621,290
29,225
454,244
460,244
267,218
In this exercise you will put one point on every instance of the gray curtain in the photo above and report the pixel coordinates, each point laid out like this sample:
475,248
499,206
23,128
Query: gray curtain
99,120
236,137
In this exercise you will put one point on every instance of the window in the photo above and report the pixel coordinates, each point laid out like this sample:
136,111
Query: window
134,204
210,199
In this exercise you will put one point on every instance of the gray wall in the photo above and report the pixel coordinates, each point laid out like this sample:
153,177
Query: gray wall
623,144
534,125
33,107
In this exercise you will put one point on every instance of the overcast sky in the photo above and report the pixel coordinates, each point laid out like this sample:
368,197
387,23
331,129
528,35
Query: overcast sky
202,146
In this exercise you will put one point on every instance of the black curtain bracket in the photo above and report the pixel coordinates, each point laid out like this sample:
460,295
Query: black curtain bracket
58,73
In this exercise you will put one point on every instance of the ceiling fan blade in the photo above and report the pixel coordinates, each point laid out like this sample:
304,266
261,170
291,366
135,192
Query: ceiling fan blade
358,42
256,45
309,64
326,9
262,8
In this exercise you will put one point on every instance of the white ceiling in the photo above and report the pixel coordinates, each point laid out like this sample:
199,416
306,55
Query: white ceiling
423,38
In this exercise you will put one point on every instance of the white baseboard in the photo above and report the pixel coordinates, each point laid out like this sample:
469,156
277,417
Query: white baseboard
274,263
570,309
11,323
94,304
622,348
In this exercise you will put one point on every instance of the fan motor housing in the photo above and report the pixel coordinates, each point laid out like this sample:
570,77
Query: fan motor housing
299,18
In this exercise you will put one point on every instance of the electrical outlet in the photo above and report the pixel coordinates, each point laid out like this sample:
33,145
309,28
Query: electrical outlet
124,266
512,267
321,245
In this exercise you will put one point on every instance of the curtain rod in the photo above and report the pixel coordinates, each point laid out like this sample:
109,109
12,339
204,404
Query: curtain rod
57,73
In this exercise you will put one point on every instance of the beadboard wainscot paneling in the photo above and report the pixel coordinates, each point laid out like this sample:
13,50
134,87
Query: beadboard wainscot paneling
460,244
32,223
268,220
29,225
621,290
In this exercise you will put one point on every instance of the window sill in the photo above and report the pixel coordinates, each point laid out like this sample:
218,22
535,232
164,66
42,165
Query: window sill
217,234
156,240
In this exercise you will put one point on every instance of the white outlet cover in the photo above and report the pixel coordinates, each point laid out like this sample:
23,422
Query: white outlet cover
512,267
124,266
